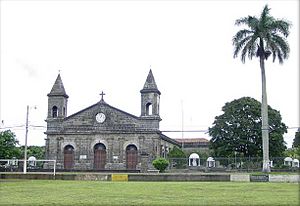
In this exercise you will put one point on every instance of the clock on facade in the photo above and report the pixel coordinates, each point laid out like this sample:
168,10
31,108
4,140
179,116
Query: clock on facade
100,117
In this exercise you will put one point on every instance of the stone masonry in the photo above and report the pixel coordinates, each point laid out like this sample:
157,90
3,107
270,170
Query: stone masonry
102,137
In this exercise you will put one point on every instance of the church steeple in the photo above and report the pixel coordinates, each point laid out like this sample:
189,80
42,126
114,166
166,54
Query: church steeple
58,88
150,84
57,100
150,97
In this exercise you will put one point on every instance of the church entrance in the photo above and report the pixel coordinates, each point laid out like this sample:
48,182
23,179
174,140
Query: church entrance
131,157
99,156
68,157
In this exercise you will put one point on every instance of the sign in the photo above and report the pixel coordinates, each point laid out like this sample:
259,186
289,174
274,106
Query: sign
119,177
83,157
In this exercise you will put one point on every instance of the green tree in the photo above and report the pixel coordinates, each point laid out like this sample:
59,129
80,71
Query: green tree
296,141
8,144
292,152
37,151
176,152
264,36
238,130
178,157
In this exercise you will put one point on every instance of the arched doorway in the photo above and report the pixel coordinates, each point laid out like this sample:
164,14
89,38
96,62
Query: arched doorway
131,157
68,157
99,156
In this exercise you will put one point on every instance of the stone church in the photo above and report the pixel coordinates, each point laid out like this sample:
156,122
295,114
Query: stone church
103,137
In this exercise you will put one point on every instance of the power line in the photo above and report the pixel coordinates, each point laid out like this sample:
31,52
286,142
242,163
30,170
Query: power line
45,127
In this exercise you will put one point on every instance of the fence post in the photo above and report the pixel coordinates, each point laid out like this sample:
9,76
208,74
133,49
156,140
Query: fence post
54,168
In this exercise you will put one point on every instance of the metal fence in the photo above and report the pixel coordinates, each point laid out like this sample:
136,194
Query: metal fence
223,164
17,165
210,164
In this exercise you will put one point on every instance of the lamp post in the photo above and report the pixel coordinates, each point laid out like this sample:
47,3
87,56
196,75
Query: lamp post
26,135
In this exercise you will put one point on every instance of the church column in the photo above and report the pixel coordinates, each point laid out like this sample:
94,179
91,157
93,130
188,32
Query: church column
58,148
156,147
141,144
121,150
157,143
110,150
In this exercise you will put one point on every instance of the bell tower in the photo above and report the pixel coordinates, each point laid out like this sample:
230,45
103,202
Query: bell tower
57,101
150,96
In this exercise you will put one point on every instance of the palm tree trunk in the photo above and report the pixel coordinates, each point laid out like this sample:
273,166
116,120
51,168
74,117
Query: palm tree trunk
264,115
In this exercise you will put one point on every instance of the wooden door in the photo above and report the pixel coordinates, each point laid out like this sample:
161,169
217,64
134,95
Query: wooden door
68,157
99,157
131,157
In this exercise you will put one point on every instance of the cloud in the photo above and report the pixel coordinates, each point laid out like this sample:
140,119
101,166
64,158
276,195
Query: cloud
30,69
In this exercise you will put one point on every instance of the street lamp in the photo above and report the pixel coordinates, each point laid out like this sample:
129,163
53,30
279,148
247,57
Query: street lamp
26,135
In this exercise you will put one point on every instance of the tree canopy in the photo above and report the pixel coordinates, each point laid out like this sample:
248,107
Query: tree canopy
176,152
263,36
8,143
238,129
37,151
296,141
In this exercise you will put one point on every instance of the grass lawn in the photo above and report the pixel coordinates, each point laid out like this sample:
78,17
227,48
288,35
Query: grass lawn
56,192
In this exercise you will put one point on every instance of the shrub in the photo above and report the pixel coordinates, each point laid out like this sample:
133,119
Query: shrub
160,164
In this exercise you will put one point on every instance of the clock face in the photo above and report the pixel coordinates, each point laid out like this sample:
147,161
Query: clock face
100,117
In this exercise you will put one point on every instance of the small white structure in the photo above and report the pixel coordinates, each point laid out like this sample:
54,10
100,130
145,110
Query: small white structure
31,161
295,163
271,163
12,162
194,160
288,161
210,162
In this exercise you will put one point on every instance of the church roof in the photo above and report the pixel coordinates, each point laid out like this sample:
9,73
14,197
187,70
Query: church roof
102,102
168,139
58,88
150,84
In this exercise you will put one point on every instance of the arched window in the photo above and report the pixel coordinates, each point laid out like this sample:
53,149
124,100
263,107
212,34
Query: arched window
131,157
149,109
99,156
54,112
68,157
64,111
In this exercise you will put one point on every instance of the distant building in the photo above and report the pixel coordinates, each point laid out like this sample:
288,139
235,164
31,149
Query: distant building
194,144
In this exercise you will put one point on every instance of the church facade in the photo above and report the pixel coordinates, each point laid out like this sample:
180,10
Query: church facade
103,137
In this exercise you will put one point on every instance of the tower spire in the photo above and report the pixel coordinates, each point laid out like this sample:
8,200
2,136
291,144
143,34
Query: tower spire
150,84
58,88
150,96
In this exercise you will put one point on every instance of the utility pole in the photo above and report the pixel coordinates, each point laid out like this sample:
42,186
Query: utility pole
182,127
25,148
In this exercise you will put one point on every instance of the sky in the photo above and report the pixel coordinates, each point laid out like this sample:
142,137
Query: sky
110,46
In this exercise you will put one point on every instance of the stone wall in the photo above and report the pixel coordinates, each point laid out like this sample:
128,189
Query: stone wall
153,177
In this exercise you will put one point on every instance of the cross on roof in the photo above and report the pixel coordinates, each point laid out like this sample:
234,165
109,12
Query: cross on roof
102,94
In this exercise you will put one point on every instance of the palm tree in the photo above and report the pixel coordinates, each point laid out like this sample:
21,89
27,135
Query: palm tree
264,36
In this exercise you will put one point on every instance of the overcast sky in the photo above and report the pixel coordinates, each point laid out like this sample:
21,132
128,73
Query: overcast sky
110,45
